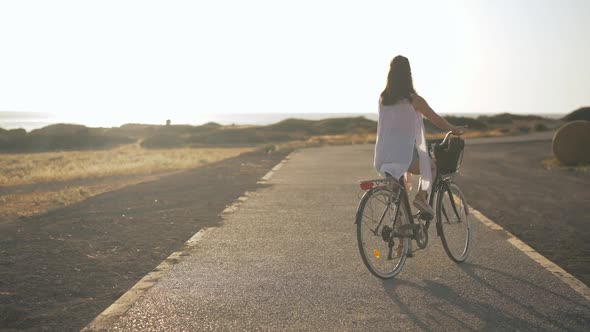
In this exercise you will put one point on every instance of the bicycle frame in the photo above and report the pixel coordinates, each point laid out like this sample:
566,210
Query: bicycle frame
402,225
440,184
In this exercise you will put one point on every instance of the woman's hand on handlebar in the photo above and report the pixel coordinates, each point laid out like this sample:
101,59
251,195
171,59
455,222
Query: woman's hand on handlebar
459,130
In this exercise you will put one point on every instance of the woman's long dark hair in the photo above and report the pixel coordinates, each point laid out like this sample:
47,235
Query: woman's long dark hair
399,82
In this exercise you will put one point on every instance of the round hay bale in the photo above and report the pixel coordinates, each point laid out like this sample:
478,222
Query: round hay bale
571,143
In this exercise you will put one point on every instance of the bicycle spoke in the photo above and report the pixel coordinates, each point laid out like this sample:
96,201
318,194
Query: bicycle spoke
370,228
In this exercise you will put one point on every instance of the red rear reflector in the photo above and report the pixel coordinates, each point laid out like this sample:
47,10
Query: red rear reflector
366,185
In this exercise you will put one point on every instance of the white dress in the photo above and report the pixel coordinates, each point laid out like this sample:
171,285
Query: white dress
399,129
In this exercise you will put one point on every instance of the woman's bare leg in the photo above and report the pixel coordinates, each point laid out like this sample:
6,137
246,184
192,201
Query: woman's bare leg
422,194
415,169
407,182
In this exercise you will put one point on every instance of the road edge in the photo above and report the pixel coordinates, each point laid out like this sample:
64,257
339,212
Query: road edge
553,268
128,299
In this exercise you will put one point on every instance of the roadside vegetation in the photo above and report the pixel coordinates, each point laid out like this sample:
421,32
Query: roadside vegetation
67,177
554,164
504,124
17,169
67,137
89,161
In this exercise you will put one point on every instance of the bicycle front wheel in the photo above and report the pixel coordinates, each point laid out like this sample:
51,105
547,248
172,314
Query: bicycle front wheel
453,223
379,222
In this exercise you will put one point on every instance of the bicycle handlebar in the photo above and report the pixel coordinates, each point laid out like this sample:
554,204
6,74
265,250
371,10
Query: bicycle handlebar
449,134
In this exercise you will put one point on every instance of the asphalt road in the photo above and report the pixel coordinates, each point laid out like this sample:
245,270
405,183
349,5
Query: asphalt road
548,209
287,259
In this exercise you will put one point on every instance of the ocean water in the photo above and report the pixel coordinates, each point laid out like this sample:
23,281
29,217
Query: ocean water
34,120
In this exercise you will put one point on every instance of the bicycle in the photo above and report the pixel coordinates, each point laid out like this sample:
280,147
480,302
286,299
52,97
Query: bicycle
384,216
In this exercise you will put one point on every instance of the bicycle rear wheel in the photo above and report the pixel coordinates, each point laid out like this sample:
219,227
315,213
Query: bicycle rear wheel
382,246
453,222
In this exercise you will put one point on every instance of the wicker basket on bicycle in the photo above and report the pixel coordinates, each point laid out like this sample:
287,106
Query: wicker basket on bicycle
448,155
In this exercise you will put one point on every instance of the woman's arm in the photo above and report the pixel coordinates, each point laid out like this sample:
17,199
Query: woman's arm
421,106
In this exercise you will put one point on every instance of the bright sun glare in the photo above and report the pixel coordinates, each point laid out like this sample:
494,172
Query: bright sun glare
111,62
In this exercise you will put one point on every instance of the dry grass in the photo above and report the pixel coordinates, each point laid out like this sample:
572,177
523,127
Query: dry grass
129,159
139,163
342,139
553,163
36,202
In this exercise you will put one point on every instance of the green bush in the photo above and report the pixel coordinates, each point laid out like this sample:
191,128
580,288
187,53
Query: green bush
163,141
13,133
340,126
541,127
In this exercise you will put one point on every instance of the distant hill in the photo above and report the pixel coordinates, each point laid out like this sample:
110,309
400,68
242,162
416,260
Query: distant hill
484,122
177,135
78,137
474,124
504,118
59,137
286,130
582,113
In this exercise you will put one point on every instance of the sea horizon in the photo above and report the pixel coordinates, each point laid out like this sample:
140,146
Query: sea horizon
35,120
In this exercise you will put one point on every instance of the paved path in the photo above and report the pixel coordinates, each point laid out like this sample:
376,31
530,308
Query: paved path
287,259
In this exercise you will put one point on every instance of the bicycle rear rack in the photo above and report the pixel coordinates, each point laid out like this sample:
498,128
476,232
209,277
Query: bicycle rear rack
381,181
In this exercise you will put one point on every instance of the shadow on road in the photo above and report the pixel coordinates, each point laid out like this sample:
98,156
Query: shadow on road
481,308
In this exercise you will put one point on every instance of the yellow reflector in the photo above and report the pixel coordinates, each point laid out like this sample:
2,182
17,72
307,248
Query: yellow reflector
376,253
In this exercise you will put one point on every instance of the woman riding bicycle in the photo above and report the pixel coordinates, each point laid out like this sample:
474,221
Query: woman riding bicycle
401,146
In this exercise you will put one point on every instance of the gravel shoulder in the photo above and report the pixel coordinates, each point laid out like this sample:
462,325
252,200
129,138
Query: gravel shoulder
547,209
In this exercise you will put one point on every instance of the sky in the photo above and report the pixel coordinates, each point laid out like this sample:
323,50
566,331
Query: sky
112,62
